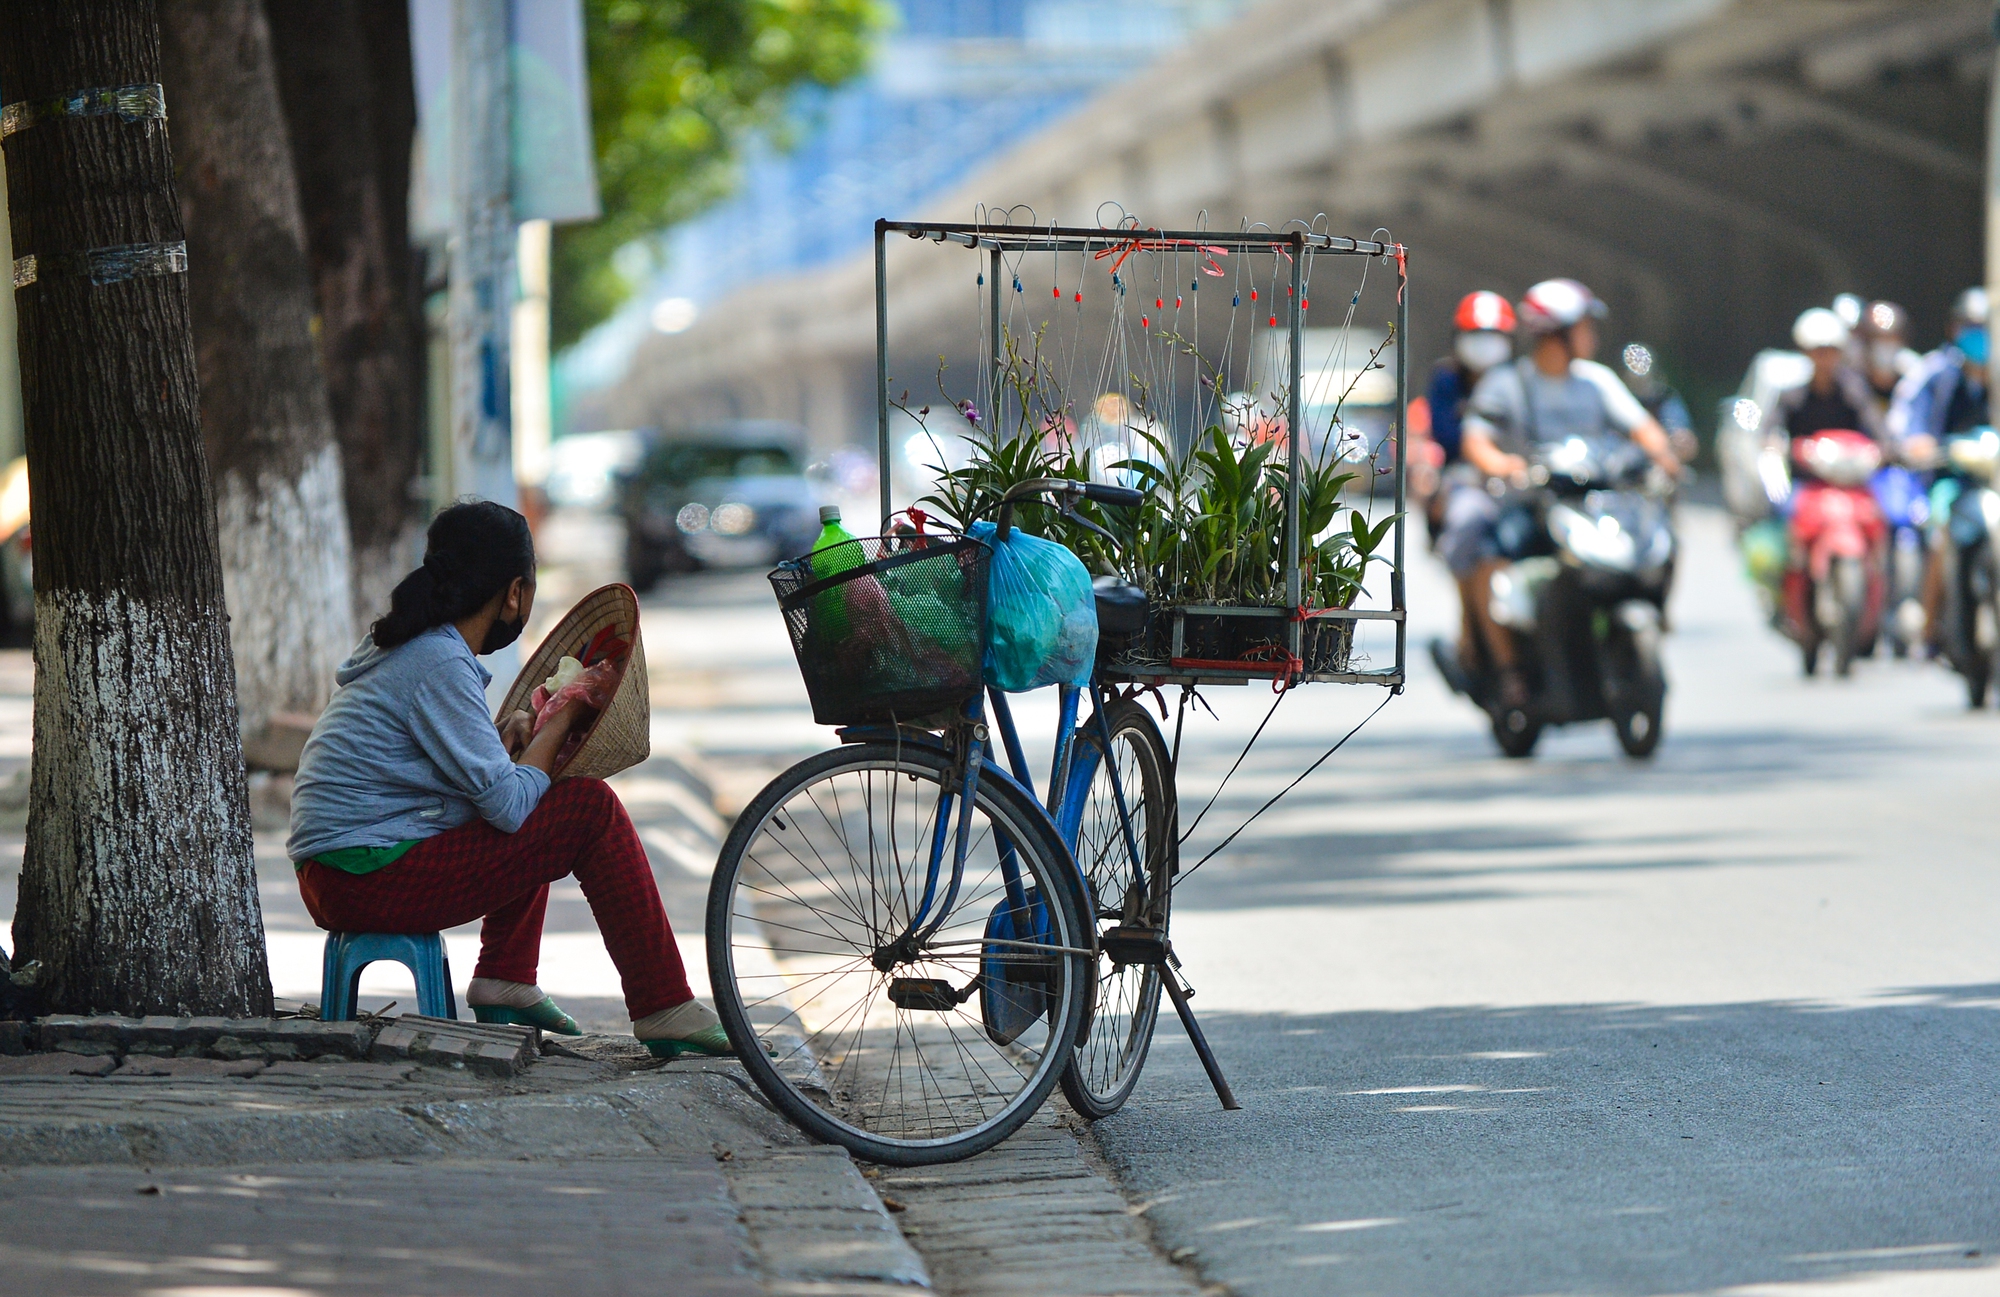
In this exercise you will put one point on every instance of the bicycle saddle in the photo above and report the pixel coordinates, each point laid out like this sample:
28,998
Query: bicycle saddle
1121,606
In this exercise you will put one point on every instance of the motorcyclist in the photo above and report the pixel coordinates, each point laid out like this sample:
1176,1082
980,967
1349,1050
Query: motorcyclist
1836,396
1482,337
1946,391
1944,394
1882,352
1553,393
1641,372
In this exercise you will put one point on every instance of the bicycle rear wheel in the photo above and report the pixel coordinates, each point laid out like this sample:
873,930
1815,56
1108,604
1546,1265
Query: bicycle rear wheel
1124,892
927,1052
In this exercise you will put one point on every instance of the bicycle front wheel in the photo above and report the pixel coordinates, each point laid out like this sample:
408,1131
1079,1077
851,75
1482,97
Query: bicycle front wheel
1125,786
906,1049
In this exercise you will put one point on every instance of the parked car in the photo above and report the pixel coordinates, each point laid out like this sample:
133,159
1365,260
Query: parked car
721,495
584,468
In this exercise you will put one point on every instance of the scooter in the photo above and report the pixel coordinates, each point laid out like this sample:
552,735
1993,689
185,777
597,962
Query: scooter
1903,495
1970,619
1835,585
1584,598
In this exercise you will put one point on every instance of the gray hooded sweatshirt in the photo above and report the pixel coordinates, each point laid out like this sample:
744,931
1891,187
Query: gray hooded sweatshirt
405,750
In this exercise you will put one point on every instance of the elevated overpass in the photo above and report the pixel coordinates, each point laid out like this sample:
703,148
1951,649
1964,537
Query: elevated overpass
1710,167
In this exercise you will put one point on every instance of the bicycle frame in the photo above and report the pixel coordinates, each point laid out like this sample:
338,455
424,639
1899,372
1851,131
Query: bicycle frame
1063,805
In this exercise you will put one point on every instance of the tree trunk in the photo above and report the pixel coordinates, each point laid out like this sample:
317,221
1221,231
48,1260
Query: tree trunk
138,891
345,78
264,416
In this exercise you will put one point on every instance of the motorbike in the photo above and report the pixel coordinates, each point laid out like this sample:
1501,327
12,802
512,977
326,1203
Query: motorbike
1903,495
1835,585
1970,619
1592,552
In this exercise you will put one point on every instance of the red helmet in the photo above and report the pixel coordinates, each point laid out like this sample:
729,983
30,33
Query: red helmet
1555,304
1483,310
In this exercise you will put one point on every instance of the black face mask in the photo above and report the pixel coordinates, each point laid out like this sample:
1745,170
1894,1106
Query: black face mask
502,633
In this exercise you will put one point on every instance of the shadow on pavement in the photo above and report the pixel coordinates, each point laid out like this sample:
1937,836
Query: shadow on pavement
1576,1149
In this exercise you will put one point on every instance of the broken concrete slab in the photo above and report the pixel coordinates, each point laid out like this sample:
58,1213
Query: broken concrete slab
489,1049
162,1036
141,1065
65,1064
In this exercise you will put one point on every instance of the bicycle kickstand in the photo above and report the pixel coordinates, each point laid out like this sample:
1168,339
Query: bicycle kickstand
1172,982
1149,946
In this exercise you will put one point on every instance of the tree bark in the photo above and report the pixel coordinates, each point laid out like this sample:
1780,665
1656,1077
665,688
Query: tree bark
350,106
264,415
138,891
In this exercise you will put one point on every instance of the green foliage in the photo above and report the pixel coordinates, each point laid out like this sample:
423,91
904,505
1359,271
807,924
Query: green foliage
675,87
1212,528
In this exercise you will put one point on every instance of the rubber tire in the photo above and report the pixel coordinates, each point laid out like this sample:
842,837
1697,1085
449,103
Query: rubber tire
1850,588
1973,664
1988,665
1129,718
1516,744
1640,741
1039,838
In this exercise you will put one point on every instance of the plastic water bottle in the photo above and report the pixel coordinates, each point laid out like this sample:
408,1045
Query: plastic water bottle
834,552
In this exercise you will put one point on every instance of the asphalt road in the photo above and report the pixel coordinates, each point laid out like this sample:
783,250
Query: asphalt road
1578,1024
1719,1021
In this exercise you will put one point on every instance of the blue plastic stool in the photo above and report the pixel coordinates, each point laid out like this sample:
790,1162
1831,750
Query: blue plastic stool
347,953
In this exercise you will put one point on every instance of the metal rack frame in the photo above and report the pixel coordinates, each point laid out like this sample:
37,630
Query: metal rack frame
997,240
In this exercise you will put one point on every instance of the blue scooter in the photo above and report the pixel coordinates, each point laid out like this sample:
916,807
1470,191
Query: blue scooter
1904,495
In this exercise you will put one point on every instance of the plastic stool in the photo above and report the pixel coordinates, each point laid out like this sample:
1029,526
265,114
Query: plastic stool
347,953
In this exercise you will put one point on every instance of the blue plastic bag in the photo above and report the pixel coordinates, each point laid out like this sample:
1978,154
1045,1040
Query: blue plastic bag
1041,617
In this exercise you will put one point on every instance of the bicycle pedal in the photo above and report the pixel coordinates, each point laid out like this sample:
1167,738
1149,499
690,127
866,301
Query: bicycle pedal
931,994
1135,945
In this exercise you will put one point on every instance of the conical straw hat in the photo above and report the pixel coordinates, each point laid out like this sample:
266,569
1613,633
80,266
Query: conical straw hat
622,736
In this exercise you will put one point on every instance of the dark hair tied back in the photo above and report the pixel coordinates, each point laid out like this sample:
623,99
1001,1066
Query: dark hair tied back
472,552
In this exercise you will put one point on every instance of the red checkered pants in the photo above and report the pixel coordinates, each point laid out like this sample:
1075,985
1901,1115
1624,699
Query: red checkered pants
476,871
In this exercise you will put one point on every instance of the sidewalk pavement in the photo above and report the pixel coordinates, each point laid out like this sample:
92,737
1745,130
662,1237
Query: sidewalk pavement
594,1168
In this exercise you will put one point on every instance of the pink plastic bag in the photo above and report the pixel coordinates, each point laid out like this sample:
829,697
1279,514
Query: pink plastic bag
594,687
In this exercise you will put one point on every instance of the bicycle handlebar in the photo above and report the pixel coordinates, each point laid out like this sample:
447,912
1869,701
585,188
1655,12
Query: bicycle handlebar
1125,497
1102,492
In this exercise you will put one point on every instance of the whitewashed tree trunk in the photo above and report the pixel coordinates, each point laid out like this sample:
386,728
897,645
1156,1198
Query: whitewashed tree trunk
285,573
138,889
140,829
280,506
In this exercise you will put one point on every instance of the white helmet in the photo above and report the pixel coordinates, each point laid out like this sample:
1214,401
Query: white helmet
1555,304
1819,327
1970,306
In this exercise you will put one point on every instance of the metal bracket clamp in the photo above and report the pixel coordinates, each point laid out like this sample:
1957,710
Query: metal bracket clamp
103,266
129,103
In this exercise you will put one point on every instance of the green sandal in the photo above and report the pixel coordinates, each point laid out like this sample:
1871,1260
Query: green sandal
709,1042
544,1013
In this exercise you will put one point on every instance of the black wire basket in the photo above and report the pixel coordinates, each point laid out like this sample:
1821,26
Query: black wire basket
898,637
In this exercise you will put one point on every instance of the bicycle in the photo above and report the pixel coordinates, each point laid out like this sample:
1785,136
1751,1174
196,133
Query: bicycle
870,894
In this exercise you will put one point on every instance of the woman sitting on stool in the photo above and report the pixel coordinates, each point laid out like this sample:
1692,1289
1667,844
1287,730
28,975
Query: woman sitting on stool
414,812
